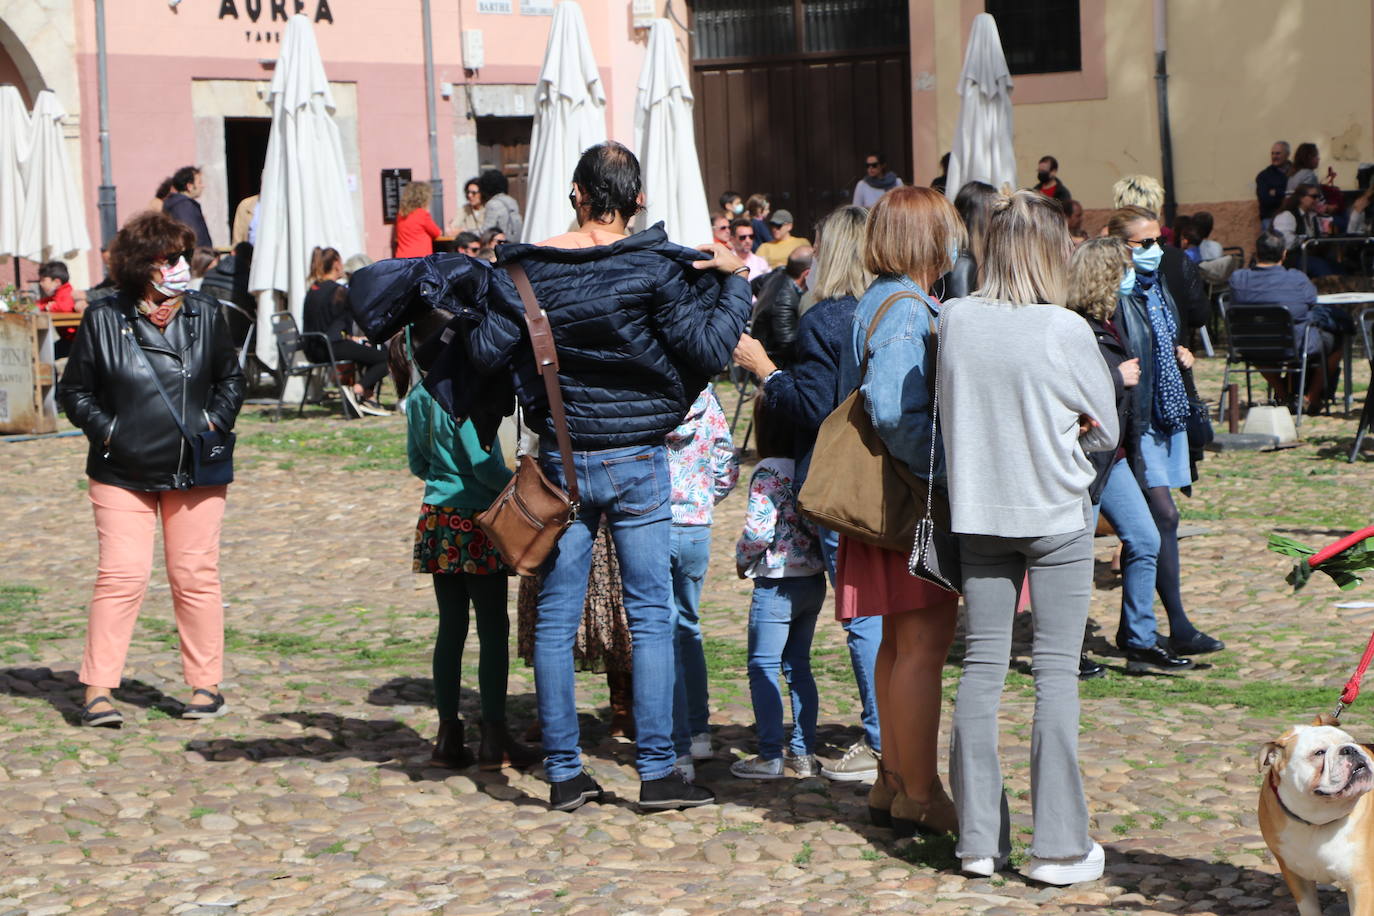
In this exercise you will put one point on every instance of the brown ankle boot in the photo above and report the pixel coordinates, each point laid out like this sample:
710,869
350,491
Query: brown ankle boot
622,705
449,749
935,815
499,748
880,799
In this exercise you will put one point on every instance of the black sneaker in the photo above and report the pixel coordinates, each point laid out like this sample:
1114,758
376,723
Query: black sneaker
1197,644
1155,659
672,791
574,793
1088,669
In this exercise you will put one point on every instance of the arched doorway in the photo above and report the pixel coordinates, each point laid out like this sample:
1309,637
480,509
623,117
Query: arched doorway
17,66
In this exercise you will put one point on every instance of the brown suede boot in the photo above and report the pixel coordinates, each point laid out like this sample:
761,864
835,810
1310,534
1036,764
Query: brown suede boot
622,705
449,749
880,799
499,748
937,815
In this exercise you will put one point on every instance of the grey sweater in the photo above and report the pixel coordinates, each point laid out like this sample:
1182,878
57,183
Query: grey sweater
1013,381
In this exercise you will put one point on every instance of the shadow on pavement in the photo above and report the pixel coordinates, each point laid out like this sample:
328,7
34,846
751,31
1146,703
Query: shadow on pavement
66,693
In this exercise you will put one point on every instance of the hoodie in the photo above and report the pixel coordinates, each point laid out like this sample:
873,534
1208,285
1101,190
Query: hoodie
701,457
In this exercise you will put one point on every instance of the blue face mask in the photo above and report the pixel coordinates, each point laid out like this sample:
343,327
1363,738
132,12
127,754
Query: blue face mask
1127,282
1147,259
953,255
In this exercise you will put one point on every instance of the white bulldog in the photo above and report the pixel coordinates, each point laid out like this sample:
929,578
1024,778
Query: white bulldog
1317,814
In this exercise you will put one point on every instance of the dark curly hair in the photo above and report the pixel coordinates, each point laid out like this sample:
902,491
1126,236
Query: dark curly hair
144,241
610,179
490,183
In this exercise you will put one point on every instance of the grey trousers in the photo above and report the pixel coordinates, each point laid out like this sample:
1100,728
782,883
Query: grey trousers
1061,570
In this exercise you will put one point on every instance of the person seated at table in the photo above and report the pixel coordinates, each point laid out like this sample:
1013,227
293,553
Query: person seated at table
1359,221
326,312
1270,283
1208,248
1300,220
469,243
55,284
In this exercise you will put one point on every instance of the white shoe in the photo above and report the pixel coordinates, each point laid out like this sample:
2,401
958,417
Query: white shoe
984,867
685,768
757,768
1068,871
701,746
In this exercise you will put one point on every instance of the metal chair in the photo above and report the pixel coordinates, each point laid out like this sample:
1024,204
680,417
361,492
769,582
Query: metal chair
293,362
242,328
1260,338
1367,414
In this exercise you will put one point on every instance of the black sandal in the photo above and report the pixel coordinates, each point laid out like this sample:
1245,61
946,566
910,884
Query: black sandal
216,706
110,718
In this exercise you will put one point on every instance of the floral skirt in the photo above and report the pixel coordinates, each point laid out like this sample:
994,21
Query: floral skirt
447,540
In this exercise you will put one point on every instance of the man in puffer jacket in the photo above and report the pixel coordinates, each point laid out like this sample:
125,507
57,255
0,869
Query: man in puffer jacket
640,326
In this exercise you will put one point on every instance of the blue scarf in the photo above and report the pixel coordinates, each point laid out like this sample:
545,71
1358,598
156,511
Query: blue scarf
1169,407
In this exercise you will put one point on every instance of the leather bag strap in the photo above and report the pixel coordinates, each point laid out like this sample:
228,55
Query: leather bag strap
128,332
546,361
873,326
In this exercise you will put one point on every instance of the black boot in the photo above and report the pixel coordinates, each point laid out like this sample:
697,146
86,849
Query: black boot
449,749
499,748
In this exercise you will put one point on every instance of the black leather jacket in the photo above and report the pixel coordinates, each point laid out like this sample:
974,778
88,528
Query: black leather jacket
107,393
961,280
775,318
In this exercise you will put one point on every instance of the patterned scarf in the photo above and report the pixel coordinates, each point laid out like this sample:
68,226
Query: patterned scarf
160,315
1169,408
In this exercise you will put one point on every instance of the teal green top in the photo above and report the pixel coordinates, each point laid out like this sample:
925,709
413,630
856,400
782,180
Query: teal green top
456,470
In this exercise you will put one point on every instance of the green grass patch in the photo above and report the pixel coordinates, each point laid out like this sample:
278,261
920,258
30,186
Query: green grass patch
361,446
200,811
331,849
803,857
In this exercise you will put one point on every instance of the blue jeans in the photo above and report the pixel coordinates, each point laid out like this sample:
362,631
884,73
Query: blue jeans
863,635
690,553
782,620
1123,503
631,488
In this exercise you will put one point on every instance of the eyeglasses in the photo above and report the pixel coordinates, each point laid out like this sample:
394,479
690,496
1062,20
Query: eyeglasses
1143,244
171,258
721,228
473,250
872,165
473,192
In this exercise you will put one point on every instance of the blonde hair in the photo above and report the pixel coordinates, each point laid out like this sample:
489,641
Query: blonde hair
1095,273
1138,191
414,196
910,232
1120,222
1027,248
839,266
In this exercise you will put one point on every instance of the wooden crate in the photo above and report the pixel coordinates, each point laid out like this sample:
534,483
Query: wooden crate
28,381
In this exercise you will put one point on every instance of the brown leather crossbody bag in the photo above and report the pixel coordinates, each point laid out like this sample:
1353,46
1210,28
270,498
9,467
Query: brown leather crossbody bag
532,512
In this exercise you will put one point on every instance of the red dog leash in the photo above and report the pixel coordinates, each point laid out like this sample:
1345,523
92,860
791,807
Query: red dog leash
1352,687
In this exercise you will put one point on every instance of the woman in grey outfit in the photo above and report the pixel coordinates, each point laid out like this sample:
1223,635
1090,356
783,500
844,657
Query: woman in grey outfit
1023,391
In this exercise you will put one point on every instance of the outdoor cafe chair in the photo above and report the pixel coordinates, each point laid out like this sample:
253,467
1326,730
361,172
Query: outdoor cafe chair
1260,338
242,326
1367,414
292,362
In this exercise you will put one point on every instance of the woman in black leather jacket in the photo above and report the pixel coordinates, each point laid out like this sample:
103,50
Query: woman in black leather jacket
974,203
139,463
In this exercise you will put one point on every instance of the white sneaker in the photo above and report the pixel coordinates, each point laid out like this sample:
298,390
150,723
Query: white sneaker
982,868
686,768
858,764
1067,871
757,768
701,746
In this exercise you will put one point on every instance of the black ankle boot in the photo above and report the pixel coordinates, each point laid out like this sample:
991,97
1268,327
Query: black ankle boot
499,748
449,749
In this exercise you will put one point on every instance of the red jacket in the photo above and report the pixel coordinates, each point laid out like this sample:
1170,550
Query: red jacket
415,234
61,300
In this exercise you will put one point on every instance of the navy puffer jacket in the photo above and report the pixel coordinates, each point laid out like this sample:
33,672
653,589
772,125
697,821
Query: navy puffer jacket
639,333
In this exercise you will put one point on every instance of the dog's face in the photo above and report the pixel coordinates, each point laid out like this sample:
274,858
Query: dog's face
1322,772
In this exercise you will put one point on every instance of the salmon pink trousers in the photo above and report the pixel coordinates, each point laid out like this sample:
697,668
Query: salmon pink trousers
126,523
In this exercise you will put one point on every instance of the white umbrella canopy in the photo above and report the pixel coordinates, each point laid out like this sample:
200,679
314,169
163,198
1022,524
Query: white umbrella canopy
52,225
569,116
982,149
666,141
305,201
14,142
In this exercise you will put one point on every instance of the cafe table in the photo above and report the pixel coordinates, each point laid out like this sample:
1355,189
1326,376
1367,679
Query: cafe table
1354,303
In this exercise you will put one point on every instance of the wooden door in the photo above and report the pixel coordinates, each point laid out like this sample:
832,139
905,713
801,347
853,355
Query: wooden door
504,144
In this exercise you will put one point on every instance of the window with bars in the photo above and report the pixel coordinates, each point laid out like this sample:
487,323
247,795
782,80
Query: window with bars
1038,36
768,28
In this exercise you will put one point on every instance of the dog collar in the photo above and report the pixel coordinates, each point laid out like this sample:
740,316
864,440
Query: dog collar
1274,785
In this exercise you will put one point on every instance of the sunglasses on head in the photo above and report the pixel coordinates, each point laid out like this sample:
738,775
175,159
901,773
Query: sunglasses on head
172,257
1145,244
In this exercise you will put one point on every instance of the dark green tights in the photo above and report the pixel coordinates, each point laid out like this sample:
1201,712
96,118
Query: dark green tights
454,593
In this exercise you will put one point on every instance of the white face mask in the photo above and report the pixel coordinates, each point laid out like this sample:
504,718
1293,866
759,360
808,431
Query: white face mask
176,278
739,208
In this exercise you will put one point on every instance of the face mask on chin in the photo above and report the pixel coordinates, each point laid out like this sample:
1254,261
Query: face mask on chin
176,279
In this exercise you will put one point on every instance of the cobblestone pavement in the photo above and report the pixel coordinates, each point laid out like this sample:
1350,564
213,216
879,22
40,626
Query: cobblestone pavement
314,796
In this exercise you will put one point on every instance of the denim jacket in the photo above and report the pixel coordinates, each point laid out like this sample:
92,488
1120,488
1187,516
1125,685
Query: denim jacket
895,392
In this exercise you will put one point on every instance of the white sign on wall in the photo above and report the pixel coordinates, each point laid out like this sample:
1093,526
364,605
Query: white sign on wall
495,6
536,7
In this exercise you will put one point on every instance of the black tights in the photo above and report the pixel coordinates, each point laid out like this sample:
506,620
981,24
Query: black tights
1168,574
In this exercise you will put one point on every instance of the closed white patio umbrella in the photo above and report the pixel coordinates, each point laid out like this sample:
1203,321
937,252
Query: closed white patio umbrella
52,224
982,149
666,143
569,116
14,142
305,201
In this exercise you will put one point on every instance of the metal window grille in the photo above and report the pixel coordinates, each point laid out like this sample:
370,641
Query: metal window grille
768,28
1038,36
